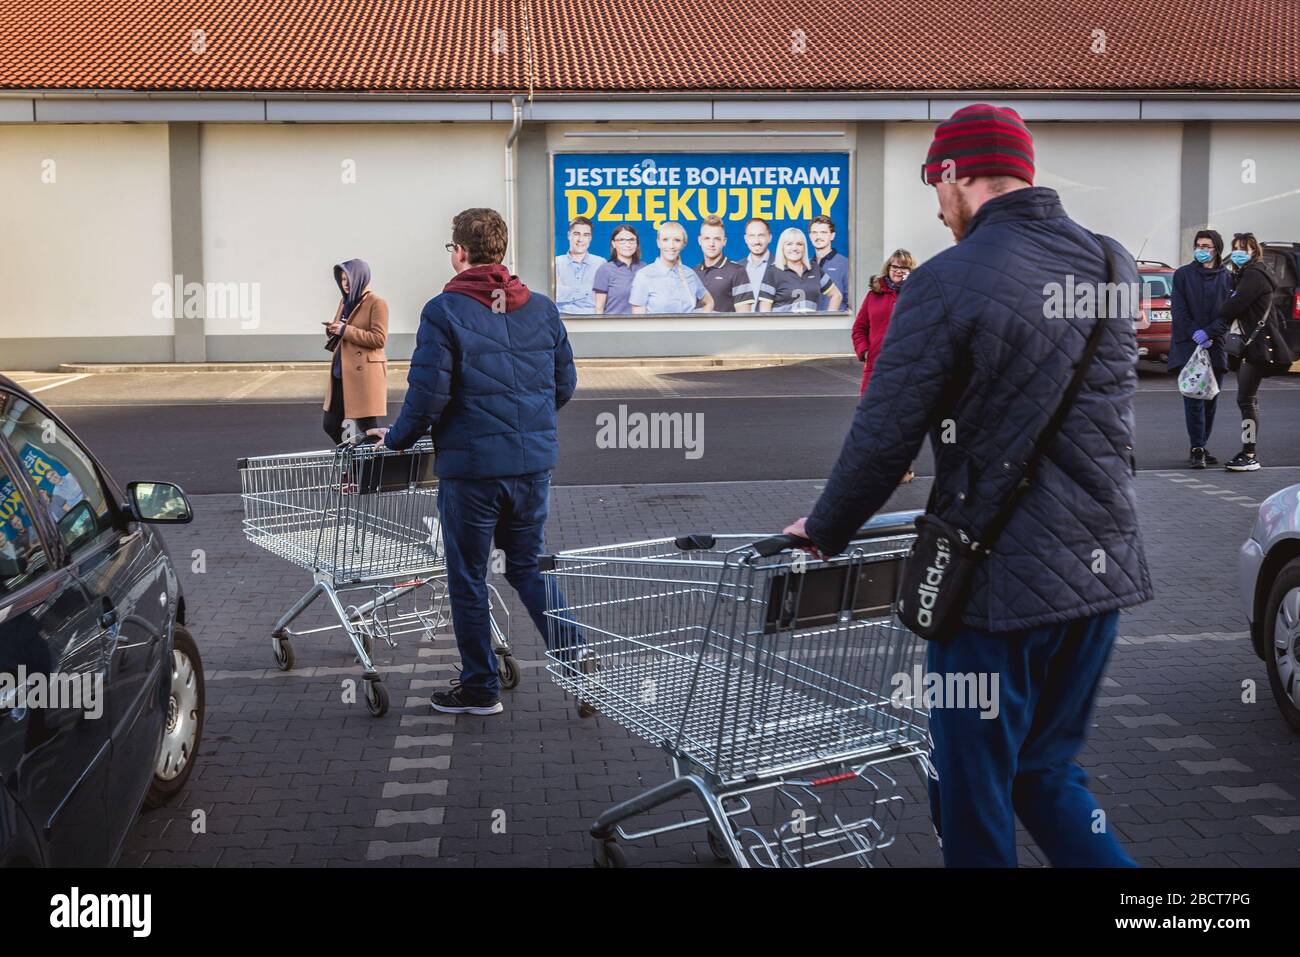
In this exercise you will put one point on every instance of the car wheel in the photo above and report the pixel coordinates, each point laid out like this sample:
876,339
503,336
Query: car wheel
184,728
1282,641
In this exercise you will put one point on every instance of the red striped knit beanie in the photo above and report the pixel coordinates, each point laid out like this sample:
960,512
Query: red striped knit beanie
980,140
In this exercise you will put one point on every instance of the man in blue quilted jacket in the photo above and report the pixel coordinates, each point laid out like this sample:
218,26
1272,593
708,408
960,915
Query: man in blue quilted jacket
978,354
492,367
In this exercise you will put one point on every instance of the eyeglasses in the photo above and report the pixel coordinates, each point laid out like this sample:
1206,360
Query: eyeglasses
450,246
900,268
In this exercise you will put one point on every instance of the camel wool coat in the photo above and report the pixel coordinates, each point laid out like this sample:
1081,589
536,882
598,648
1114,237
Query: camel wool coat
362,360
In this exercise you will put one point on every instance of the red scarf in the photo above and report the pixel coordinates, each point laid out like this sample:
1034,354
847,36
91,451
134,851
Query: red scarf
484,283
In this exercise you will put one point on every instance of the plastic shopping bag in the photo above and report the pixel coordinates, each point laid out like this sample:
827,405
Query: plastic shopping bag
1196,380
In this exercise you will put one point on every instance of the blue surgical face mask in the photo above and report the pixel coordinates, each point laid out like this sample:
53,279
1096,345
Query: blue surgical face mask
1239,257
1202,255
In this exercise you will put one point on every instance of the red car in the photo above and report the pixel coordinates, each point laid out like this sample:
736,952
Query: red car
1155,322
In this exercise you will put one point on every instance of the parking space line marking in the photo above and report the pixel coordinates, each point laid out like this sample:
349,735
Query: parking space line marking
423,741
439,762
380,850
251,387
1182,639
1147,721
386,817
1278,825
395,789
1188,741
1210,767
1106,700
1259,792
67,381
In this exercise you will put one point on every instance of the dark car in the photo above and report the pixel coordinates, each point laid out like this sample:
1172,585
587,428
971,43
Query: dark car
1155,321
101,685
1283,261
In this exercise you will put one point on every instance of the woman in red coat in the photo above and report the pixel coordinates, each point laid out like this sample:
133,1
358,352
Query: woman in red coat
873,316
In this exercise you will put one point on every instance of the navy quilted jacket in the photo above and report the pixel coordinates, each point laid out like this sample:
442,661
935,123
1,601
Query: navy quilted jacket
971,353
488,385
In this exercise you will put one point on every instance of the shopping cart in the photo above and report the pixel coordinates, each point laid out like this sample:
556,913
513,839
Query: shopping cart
771,678
364,521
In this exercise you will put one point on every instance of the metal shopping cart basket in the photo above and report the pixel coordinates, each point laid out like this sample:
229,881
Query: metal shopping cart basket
771,679
364,522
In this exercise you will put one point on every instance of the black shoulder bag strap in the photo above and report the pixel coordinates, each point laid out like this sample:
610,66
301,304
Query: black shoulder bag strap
935,580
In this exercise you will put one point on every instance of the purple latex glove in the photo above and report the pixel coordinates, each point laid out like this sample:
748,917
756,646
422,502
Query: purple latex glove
1200,338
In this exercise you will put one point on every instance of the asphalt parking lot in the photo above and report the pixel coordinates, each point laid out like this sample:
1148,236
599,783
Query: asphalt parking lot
1191,769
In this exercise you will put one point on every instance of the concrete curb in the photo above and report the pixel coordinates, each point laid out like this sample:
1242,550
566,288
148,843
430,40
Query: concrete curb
693,362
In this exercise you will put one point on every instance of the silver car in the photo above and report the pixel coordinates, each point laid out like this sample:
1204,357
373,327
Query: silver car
1269,566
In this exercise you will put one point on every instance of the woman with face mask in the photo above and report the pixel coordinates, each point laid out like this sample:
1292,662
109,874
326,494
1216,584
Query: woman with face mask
1199,289
1249,310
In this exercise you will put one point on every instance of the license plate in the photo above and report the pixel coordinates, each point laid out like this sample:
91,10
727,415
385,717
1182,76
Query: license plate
1161,315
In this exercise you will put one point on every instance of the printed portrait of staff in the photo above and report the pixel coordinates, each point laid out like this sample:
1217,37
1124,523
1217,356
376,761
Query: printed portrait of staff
575,271
613,282
667,285
797,283
725,279
358,386
758,236
821,233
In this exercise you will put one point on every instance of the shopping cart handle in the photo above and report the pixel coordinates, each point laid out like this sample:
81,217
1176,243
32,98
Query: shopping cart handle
694,543
364,438
778,543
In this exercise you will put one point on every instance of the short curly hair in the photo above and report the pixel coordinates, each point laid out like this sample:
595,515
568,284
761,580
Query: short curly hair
483,234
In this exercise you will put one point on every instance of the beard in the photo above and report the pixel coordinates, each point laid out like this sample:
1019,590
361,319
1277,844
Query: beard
960,218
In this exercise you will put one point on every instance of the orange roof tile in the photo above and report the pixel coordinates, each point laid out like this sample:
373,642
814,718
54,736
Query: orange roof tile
612,46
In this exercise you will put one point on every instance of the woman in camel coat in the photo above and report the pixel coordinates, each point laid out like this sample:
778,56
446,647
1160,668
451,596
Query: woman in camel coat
358,387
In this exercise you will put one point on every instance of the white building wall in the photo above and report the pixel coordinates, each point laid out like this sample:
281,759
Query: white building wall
1268,154
86,230
1118,179
278,211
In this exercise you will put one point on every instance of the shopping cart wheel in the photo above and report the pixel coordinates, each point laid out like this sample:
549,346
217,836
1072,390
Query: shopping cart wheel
508,671
376,698
718,847
607,854
283,650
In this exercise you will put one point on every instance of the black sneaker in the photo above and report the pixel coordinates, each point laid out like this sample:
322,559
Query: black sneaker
1198,459
1242,462
1210,459
459,701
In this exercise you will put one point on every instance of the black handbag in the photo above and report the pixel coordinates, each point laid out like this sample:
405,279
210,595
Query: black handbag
1235,344
936,578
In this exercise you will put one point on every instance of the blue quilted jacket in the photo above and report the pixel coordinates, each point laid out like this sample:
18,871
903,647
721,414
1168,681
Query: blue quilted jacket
972,355
488,386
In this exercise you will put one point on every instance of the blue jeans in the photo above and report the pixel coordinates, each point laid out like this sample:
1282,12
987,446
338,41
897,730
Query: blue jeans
1021,763
513,511
1200,416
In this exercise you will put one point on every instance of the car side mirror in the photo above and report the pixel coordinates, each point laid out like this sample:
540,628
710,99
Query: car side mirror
160,503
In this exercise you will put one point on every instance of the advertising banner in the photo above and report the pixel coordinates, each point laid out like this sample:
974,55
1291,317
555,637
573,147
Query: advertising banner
726,233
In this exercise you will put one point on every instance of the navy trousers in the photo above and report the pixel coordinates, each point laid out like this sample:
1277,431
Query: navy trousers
473,513
1021,763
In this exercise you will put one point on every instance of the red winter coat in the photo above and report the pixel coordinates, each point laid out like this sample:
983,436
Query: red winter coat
870,325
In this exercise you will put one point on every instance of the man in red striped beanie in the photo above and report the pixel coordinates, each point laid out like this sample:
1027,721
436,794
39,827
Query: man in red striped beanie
979,152
1030,545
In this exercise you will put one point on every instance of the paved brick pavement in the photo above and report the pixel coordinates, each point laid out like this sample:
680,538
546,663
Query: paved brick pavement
289,774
